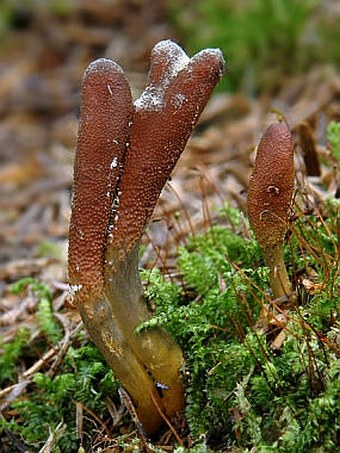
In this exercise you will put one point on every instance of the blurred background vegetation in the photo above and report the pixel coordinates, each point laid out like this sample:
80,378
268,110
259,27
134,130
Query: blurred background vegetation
264,41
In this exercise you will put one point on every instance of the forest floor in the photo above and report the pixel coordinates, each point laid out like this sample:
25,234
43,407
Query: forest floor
42,59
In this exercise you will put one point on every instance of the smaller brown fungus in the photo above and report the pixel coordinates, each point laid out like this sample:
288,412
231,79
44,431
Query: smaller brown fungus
270,192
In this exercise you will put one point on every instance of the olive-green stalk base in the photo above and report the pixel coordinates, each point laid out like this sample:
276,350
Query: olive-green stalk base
148,363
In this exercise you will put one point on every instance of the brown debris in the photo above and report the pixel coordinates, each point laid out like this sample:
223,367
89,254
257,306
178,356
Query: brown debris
309,151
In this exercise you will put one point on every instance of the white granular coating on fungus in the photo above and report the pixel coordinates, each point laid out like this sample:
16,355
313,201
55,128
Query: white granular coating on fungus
175,55
179,99
217,53
176,60
152,98
103,64
114,162
74,288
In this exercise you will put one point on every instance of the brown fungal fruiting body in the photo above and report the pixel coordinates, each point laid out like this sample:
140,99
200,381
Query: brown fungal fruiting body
106,111
163,120
125,154
270,193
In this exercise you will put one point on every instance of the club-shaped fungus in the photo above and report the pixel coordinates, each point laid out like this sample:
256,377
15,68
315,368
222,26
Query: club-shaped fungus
125,154
270,194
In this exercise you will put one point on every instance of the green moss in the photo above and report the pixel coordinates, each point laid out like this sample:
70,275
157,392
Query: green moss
84,379
241,391
11,354
50,404
47,323
49,248
333,137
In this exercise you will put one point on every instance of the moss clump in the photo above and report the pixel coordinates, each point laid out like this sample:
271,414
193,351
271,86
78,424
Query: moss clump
48,407
245,387
256,375
83,381
11,354
44,315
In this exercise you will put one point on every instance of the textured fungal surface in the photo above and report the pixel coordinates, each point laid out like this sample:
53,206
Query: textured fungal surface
271,185
106,112
164,117
125,154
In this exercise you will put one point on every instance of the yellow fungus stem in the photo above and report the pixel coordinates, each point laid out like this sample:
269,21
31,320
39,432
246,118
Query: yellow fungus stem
279,280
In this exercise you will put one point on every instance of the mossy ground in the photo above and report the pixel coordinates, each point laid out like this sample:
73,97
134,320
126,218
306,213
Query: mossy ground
259,373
